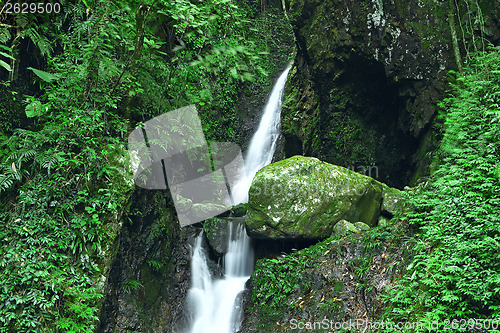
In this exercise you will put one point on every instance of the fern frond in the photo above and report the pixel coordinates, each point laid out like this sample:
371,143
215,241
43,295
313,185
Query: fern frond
40,41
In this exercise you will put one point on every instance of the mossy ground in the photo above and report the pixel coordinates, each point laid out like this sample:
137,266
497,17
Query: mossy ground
340,278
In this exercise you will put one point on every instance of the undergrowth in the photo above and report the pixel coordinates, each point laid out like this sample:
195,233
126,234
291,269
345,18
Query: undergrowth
102,68
455,273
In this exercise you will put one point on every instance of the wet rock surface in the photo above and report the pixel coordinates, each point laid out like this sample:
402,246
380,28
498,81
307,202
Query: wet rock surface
342,280
239,210
365,82
253,95
216,230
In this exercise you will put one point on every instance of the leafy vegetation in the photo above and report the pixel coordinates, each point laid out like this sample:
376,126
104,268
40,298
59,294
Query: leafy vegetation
93,72
455,273
276,278
103,67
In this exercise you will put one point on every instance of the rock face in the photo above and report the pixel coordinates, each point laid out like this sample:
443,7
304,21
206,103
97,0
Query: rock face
339,280
150,275
217,232
253,95
365,82
303,198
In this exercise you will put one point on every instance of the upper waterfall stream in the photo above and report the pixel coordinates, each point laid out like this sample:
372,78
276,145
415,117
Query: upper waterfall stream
212,302
263,144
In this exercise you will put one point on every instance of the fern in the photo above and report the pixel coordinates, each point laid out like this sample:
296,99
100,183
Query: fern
41,42
456,268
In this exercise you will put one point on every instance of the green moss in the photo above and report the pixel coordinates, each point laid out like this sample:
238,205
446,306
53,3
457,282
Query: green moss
290,285
302,197
150,285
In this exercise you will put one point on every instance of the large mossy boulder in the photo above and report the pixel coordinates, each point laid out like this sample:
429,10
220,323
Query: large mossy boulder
303,198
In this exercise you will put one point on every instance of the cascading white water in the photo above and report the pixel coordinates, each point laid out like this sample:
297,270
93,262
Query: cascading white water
263,144
213,301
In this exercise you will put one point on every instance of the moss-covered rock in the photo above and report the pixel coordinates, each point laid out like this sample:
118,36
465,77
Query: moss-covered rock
383,221
365,82
362,226
123,182
149,276
303,198
343,227
392,200
340,279
216,231
240,209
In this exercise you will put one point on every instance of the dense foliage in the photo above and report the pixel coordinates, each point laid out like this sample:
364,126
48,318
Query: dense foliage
72,86
455,273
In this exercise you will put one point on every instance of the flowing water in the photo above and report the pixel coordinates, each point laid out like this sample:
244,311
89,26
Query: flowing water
214,302
263,144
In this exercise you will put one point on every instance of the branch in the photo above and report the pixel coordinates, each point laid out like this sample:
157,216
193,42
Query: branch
141,16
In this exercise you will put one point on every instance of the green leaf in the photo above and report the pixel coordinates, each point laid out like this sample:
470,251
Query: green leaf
5,65
33,109
47,77
7,55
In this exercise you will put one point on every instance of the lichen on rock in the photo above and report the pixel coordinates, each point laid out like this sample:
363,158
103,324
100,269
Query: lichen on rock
303,198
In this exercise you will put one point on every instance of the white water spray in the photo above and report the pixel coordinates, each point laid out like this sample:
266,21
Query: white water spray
263,144
213,302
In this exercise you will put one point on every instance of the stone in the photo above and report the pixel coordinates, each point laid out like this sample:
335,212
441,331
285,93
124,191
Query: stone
239,210
303,198
183,204
151,264
362,226
367,76
343,227
217,232
383,221
392,200
206,208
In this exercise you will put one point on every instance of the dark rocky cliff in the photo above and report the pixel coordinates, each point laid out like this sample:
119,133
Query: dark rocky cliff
150,275
366,80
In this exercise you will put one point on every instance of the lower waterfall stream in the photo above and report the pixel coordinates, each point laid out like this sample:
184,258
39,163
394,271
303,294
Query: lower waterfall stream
213,302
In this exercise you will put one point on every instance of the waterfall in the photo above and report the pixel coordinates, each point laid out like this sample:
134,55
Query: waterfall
263,144
213,302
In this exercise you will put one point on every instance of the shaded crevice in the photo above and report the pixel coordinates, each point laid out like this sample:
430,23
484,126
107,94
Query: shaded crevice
150,274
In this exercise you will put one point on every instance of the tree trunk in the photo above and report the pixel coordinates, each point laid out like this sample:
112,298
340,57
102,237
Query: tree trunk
454,38
140,21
